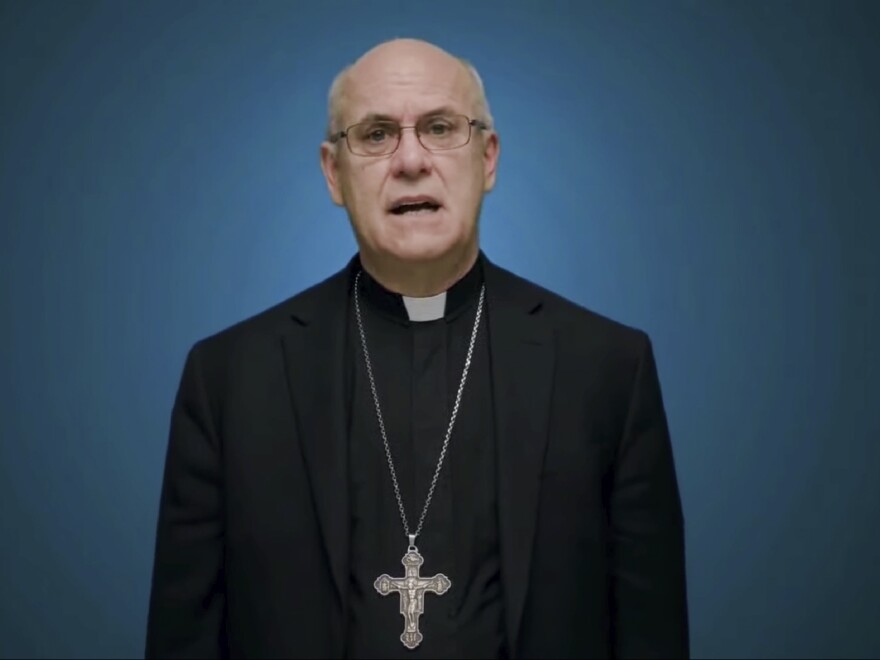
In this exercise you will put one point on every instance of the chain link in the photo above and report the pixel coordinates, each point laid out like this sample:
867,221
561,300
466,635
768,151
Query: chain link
464,374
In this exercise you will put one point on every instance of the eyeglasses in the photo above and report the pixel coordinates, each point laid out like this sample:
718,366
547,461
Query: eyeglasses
382,137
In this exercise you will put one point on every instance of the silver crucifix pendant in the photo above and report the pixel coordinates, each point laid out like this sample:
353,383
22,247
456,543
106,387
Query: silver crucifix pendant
412,588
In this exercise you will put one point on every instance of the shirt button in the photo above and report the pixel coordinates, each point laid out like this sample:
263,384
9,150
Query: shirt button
453,611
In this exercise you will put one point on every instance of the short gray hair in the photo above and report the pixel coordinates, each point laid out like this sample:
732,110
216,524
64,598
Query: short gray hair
337,89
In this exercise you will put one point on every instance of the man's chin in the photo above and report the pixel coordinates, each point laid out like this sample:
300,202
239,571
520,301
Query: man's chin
416,226
425,249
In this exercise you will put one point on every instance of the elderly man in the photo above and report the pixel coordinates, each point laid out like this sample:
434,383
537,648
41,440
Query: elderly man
424,455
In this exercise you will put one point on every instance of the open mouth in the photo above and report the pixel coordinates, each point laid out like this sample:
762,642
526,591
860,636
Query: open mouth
420,208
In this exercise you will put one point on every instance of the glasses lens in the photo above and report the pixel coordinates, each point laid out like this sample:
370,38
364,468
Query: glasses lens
373,138
444,132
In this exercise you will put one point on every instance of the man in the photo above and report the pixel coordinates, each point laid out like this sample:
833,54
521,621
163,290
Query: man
424,455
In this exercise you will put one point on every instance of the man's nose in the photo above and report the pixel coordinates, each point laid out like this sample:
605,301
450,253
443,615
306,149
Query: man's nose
411,158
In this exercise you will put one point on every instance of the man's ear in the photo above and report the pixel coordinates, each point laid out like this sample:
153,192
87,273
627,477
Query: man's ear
491,152
330,168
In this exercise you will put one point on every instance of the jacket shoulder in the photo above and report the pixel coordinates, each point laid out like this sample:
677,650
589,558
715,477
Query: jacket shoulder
576,324
269,322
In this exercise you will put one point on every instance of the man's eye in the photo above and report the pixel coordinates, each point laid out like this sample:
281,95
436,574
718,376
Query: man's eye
438,128
375,133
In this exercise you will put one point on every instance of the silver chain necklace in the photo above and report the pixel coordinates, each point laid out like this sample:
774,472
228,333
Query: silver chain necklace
412,586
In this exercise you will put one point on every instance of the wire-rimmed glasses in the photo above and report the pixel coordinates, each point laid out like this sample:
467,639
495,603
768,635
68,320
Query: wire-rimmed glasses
381,137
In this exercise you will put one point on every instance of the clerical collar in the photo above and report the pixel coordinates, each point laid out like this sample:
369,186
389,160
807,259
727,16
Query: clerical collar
447,304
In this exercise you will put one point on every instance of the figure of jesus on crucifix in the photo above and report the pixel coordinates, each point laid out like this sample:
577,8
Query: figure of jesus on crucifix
412,588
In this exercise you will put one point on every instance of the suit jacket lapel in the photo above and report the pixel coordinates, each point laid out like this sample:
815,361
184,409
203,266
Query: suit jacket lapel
314,351
522,371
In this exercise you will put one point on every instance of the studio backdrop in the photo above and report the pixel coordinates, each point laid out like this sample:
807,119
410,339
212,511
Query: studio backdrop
706,171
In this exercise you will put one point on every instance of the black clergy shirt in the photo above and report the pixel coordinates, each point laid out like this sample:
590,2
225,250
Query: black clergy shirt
417,366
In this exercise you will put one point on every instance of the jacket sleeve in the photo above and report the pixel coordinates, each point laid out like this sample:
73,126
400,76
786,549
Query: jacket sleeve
649,613
187,599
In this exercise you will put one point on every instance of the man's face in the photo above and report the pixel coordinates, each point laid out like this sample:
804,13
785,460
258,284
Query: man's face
407,82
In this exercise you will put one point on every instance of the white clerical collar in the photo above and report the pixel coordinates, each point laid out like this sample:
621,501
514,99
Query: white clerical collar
425,309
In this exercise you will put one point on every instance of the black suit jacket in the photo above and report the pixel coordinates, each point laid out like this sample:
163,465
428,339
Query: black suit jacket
253,534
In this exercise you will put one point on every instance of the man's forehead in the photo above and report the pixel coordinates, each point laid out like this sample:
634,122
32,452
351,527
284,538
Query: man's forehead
406,57
416,77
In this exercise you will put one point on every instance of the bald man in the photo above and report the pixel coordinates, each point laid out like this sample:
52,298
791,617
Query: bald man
424,455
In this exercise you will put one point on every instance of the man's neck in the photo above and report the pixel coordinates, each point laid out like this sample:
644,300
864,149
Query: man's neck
421,280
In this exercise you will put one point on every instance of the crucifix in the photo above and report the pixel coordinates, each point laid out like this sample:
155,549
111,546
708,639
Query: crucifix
412,588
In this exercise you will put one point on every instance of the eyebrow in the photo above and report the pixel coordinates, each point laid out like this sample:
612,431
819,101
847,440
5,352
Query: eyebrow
378,116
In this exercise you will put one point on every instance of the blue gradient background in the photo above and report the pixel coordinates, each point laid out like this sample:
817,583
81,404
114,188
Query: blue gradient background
709,172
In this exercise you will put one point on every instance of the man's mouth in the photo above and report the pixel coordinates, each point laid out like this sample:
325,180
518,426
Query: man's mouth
415,207
422,207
